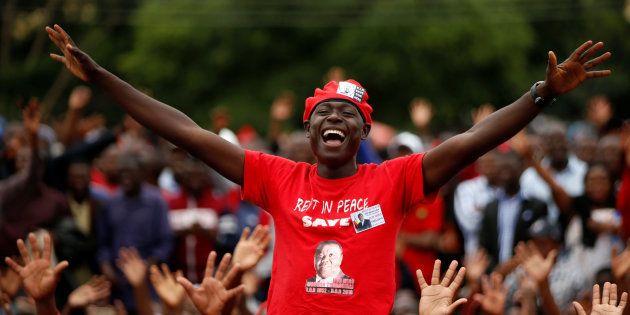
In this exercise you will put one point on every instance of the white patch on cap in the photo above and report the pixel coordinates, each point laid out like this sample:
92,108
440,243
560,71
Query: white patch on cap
351,90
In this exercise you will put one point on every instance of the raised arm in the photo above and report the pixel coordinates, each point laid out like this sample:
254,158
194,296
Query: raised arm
166,121
443,162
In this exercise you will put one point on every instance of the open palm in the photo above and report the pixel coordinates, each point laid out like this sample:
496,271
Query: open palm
250,249
166,286
564,77
436,299
607,305
79,63
39,278
211,296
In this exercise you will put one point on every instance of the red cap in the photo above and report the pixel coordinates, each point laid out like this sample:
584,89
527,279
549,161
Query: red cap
349,90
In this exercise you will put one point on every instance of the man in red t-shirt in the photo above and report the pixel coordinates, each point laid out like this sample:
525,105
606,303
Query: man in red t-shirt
315,203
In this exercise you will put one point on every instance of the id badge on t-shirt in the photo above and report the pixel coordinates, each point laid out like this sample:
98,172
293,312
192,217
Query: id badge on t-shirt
368,218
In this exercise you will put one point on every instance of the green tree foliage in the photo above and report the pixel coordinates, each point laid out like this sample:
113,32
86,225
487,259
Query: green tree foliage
242,53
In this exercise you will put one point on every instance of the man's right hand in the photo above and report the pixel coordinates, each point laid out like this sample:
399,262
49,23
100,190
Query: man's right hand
78,62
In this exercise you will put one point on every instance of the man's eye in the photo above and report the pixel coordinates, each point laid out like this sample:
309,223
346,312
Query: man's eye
348,113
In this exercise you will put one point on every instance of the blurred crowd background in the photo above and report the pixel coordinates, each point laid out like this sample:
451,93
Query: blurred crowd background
550,207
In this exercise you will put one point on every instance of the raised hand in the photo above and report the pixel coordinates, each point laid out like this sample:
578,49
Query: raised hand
564,77
96,289
166,286
211,296
620,262
533,262
476,264
78,62
251,248
608,303
79,98
436,299
480,113
132,265
492,301
38,276
421,112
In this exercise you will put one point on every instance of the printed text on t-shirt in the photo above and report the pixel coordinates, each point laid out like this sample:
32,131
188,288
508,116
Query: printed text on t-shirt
330,206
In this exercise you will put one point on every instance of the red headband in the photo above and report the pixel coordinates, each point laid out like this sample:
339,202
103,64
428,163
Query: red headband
349,90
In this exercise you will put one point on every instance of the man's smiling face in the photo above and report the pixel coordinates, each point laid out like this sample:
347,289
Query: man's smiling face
335,130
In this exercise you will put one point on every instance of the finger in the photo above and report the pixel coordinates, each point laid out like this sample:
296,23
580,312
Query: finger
578,308
575,56
533,249
596,299
496,280
452,307
256,235
60,267
552,60
598,74
589,52
210,264
26,258
47,247
154,274
223,266
449,273
32,239
227,281
58,58
613,295
485,284
245,234
624,300
230,294
551,257
188,287
265,243
459,278
15,266
57,43
423,284
596,61
167,272
435,277
606,293
65,35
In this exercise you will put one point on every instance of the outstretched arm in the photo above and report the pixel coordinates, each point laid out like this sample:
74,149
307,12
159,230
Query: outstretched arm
443,162
168,122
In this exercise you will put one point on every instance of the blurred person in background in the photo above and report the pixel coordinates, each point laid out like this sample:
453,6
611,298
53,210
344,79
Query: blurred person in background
472,196
567,170
135,216
508,217
194,215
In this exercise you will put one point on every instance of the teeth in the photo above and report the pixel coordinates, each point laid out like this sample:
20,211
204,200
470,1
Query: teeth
332,131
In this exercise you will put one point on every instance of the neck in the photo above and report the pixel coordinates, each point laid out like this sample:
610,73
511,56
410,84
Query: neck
331,172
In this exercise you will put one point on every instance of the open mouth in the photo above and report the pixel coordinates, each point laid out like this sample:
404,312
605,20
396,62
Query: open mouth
333,137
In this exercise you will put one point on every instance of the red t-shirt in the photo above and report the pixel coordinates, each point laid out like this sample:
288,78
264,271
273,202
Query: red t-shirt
353,271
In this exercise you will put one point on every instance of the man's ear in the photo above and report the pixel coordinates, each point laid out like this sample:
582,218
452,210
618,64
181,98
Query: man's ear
307,127
366,131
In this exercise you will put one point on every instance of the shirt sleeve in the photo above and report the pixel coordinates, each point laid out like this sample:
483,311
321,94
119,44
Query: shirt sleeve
264,176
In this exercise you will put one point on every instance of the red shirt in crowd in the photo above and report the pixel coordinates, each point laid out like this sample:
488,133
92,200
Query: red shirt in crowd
335,238
623,202
424,218
194,221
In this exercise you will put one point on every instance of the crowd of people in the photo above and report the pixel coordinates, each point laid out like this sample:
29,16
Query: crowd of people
121,220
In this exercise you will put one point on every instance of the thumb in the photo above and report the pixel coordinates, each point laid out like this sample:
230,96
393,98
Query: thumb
552,61
578,308
188,286
452,307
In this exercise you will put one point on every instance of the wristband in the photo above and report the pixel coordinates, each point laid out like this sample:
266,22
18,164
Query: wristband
539,100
